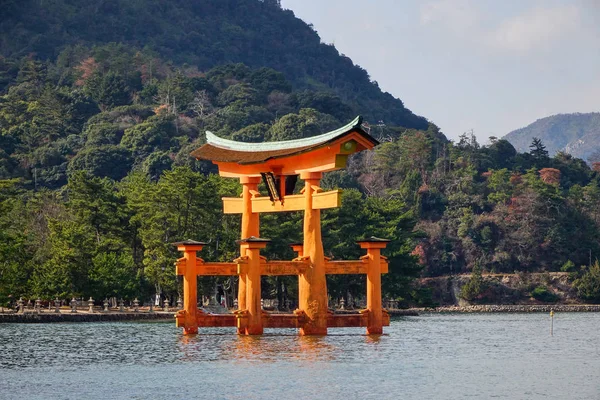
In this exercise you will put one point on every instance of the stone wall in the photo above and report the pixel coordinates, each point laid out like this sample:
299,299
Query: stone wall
502,288
526,308
80,317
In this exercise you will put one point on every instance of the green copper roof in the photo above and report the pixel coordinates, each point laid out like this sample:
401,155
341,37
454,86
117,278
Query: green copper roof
222,150
216,141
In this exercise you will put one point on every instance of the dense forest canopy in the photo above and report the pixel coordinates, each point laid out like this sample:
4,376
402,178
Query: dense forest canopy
102,102
200,34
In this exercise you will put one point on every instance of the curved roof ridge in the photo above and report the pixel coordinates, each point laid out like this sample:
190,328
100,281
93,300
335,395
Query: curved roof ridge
217,141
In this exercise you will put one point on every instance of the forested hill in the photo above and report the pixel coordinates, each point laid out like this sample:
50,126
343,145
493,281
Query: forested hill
101,103
200,34
576,134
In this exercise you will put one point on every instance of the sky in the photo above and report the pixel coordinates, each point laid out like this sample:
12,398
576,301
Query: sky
490,66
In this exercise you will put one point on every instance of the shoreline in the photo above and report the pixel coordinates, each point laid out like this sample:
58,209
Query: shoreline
509,308
33,318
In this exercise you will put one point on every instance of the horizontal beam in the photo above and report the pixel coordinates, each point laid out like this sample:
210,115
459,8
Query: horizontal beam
346,320
232,205
206,320
350,267
294,202
282,320
346,267
330,199
353,320
281,268
217,269
271,320
217,320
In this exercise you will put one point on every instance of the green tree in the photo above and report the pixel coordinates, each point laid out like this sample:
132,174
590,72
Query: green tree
103,133
182,205
542,293
307,122
15,268
96,204
538,151
66,272
114,275
473,289
155,133
588,286
109,90
103,161
361,217
502,153
252,133
499,185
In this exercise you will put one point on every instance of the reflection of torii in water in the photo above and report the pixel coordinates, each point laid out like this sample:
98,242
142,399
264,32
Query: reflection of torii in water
279,164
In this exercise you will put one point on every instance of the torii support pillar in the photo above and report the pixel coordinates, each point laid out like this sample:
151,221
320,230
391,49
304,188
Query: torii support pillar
254,325
190,286
373,246
298,248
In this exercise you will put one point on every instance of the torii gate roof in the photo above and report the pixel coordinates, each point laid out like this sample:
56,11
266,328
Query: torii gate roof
289,156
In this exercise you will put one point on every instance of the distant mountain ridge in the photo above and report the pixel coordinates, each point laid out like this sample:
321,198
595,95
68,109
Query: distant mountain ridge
577,134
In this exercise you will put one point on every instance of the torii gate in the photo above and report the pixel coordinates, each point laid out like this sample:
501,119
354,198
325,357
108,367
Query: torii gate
279,164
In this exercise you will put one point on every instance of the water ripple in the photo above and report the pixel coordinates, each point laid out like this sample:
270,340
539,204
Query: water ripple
507,356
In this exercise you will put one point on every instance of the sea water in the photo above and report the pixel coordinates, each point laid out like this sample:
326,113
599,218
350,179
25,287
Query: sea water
432,356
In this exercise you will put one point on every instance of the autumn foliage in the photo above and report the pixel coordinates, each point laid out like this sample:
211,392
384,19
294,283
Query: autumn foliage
86,69
550,176
419,252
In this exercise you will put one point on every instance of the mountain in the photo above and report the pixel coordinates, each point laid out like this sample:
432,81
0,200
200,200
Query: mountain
577,134
101,103
111,86
201,34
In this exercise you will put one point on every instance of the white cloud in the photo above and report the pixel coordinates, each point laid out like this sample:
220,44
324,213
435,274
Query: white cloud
506,63
532,28
537,27
458,15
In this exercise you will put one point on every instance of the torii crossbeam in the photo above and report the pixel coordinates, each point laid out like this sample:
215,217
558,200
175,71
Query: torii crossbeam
279,164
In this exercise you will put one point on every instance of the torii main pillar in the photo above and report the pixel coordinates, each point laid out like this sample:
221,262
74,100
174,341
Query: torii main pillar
312,284
250,228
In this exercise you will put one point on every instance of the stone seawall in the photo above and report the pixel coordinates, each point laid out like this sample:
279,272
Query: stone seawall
168,316
530,308
81,317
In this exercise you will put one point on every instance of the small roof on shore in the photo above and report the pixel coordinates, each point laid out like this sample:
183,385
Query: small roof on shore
229,151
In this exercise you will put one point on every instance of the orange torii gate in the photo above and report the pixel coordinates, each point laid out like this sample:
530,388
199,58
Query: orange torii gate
279,164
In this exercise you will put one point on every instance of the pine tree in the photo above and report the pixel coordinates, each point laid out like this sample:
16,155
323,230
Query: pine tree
538,150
